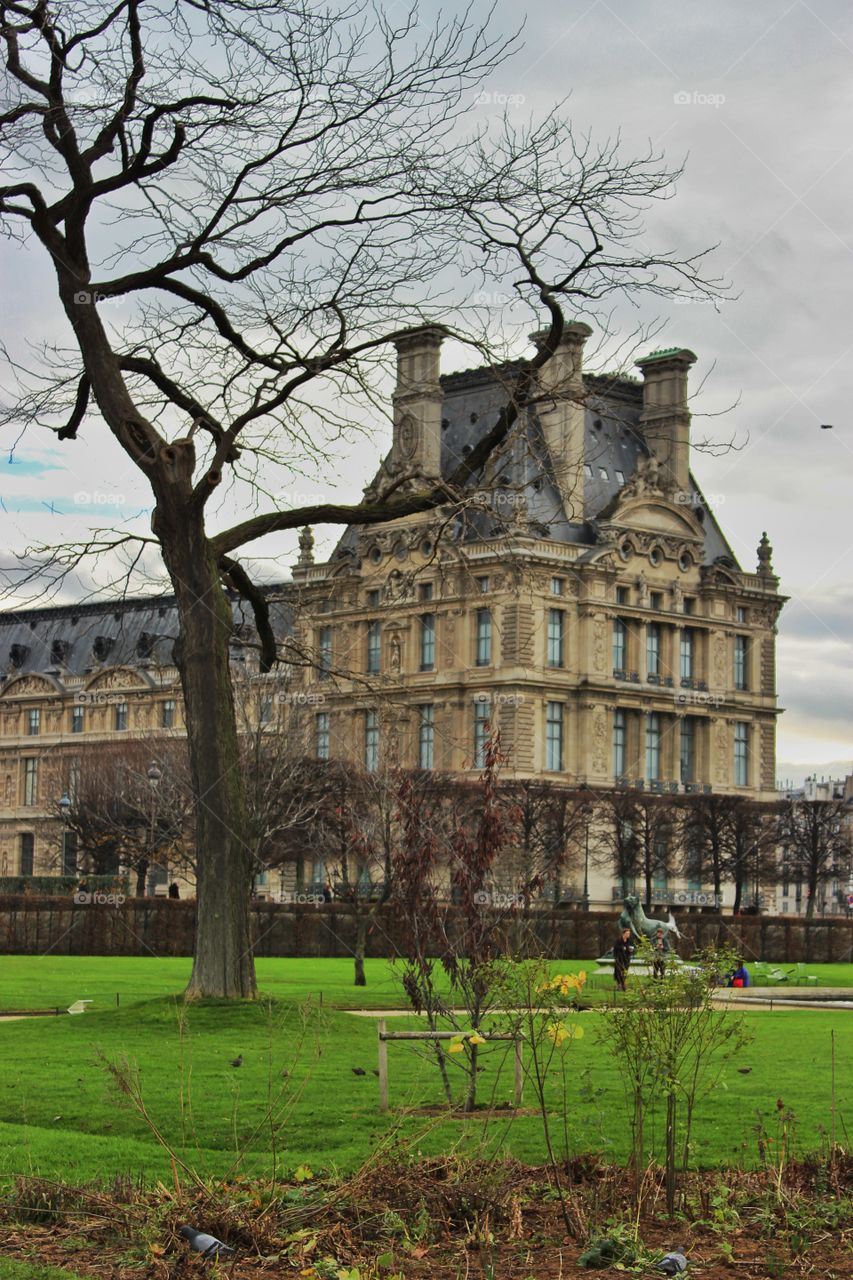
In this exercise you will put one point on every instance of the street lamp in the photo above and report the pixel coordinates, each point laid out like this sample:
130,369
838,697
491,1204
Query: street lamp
586,810
155,773
64,811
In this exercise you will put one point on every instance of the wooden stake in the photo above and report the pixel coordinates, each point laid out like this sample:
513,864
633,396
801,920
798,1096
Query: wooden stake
383,1065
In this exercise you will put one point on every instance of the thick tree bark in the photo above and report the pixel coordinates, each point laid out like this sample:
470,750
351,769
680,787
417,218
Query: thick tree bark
224,964
141,873
360,948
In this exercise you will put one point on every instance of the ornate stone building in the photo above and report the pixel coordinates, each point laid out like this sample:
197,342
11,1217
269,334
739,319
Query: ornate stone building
585,601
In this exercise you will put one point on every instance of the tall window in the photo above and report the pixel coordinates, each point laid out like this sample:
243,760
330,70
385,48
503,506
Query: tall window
741,753
556,637
688,749
167,715
740,661
374,647
428,642
482,715
120,715
321,735
78,719
484,637
31,780
687,655
653,649
371,740
28,842
557,586
425,590
482,585
620,734
693,866
653,747
33,721
324,653
265,711
554,737
620,644
426,737
660,854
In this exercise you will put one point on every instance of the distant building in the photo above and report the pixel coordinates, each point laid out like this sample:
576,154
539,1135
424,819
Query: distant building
585,602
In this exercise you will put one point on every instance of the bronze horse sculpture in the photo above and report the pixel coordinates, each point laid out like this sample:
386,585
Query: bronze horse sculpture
634,918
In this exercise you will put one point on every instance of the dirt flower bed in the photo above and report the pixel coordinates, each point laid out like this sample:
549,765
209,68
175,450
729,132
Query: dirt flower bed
444,1219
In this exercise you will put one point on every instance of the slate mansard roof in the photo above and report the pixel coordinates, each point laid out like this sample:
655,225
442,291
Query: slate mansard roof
613,445
76,640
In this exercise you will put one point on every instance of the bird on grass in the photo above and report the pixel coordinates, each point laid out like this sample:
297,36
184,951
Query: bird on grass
602,1253
236,1062
672,1264
744,1071
207,1246
359,1071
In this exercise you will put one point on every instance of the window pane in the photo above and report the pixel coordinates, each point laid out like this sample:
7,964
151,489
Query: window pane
653,650
30,780
324,648
77,720
120,715
740,661
619,743
427,642
374,647
555,637
741,753
322,735
168,717
371,740
686,655
482,712
619,632
688,749
653,747
33,721
484,637
554,737
426,737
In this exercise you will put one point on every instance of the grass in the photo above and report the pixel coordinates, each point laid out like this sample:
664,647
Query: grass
45,982
11,1270
62,1116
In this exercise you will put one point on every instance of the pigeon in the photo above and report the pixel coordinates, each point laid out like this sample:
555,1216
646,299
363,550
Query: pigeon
236,1062
672,1264
207,1246
359,1071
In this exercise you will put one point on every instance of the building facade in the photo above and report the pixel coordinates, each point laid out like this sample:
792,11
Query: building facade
583,600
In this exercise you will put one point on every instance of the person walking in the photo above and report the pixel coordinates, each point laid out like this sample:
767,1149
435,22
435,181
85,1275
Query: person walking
659,957
622,957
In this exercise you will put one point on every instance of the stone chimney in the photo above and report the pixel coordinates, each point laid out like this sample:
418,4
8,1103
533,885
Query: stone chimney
665,419
417,401
560,405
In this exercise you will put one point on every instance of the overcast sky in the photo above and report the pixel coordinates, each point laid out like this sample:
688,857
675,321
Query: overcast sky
758,98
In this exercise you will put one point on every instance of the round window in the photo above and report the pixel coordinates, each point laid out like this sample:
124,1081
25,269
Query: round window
655,556
626,550
685,562
375,555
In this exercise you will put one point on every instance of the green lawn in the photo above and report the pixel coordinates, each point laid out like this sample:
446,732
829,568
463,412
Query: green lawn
61,1114
10,1270
44,982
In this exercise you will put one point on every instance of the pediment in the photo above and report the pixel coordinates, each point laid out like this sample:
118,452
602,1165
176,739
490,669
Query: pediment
26,685
120,678
653,514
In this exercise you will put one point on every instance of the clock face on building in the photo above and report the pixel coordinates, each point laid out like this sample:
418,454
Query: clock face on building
408,436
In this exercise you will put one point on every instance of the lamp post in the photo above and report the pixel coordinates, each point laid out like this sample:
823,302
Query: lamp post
586,811
64,811
155,773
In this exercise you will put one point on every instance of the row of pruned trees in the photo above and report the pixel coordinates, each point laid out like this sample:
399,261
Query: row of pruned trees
331,819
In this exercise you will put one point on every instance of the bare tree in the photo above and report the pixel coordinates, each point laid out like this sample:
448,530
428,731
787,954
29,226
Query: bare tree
122,815
751,854
637,837
273,190
814,836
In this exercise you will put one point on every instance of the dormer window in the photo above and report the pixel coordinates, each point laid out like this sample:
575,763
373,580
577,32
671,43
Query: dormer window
18,654
101,647
59,652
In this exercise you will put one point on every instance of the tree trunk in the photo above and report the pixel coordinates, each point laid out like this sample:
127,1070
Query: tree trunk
738,896
360,948
223,963
141,873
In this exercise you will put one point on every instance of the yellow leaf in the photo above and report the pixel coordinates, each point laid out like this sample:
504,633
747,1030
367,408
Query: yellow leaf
476,1038
456,1046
